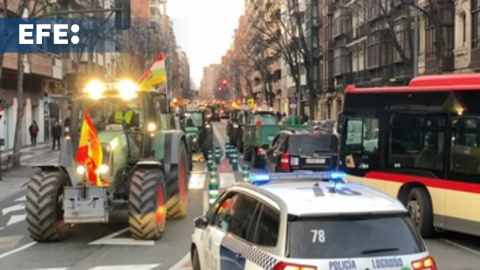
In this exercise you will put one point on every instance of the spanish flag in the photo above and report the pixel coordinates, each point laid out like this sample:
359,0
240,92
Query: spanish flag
89,153
157,74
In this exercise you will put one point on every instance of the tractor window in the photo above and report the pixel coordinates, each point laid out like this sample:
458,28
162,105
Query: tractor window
113,114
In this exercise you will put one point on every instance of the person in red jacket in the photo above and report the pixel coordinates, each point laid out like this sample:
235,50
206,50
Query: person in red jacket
33,130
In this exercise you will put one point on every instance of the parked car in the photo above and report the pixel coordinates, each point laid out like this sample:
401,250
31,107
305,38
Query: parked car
302,150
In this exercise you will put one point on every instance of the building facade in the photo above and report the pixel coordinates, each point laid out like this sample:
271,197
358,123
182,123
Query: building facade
209,81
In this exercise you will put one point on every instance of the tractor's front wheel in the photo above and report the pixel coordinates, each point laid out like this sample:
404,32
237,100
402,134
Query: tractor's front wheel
178,186
45,207
146,204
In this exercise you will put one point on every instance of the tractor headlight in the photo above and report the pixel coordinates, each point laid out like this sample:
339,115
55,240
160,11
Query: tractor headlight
81,169
128,89
103,169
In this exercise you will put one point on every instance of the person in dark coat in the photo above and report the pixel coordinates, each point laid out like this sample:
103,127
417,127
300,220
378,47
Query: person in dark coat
56,134
33,130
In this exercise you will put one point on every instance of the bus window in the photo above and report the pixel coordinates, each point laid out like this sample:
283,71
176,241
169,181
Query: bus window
465,148
361,143
416,141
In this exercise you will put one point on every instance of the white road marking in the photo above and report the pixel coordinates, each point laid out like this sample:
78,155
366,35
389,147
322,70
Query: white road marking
16,219
220,140
13,208
197,181
222,144
226,179
21,199
180,265
460,246
111,240
127,267
6,254
10,241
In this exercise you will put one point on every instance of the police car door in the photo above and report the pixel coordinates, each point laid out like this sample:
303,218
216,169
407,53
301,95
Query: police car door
234,245
216,232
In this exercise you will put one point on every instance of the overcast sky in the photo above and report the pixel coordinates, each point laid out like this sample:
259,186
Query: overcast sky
204,29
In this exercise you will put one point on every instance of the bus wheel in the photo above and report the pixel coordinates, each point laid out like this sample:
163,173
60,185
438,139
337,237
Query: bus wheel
419,207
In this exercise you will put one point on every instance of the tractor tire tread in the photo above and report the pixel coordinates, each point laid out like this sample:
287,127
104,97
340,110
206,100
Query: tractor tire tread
42,220
142,204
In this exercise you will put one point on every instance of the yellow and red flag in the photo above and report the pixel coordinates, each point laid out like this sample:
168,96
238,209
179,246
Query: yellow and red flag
89,153
156,74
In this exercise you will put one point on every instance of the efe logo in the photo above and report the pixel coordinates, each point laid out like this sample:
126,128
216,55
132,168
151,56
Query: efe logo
43,30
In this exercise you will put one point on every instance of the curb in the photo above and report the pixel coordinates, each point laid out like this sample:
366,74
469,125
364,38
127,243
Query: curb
6,168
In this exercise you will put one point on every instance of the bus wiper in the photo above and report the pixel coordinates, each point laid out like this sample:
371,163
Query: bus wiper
378,250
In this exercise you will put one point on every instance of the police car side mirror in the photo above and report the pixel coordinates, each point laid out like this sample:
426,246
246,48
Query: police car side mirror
201,222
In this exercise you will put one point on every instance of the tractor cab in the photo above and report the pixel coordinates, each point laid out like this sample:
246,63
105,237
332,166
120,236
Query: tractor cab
198,128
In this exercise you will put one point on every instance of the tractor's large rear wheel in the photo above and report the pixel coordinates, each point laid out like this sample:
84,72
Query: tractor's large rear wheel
45,207
178,186
146,205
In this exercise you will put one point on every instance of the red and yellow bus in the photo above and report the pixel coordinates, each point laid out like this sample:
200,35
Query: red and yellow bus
421,144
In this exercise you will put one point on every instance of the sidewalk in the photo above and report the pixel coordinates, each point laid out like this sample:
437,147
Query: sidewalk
26,154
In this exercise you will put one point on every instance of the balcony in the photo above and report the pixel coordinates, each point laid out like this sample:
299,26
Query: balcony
432,64
475,59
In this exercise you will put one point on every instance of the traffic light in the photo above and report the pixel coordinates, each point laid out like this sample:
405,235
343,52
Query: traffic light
224,82
122,14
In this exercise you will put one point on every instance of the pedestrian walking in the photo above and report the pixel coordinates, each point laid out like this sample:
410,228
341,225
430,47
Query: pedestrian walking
56,134
33,130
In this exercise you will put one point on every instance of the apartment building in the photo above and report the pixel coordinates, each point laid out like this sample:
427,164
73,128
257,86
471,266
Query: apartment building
40,72
180,83
209,81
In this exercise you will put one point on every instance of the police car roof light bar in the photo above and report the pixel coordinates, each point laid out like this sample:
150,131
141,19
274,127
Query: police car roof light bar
334,176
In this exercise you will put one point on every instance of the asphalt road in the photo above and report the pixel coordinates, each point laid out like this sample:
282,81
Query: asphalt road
108,246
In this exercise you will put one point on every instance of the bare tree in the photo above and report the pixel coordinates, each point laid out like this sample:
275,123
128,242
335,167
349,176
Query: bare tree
397,20
283,30
240,76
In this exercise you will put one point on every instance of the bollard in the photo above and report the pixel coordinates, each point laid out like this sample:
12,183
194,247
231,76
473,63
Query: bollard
210,152
217,158
210,165
210,157
246,173
229,155
234,161
213,187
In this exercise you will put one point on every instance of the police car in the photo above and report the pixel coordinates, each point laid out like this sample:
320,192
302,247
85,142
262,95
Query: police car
307,221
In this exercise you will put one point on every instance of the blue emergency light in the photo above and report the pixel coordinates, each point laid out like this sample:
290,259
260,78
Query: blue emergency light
334,176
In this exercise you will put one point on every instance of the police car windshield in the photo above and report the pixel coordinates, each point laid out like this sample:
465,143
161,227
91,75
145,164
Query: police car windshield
326,238
308,144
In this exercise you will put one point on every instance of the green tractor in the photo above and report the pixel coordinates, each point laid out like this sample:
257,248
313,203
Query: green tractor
235,126
145,167
199,129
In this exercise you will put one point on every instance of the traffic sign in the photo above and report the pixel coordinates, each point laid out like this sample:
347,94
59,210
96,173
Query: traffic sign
293,101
